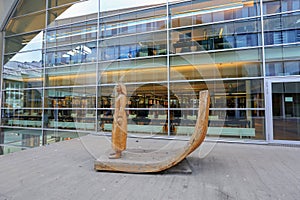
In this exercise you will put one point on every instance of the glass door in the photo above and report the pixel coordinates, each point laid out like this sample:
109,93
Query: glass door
284,110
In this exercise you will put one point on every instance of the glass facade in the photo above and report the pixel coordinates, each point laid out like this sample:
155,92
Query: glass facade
60,66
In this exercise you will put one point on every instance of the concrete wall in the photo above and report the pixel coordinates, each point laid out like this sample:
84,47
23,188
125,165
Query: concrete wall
1,48
1,131
6,7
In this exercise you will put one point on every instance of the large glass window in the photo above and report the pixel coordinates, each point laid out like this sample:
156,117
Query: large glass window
282,60
276,6
71,54
229,64
141,45
23,68
77,97
75,33
54,3
202,12
282,29
236,110
71,75
285,111
57,136
289,5
138,70
61,66
24,42
19,139
16,98
26,6
283,68
27,23
218,36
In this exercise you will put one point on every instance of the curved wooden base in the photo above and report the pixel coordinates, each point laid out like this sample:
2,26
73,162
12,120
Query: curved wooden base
160,160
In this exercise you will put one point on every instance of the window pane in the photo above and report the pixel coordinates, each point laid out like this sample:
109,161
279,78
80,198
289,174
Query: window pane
18,98
201,12
26,6
22,118
243,63
15,139
26,23
53,14
288,5
271,6
24,42
71,119
243,101
73,54
292,68
58,136
54,3
25,68
139,70
77,97
71,76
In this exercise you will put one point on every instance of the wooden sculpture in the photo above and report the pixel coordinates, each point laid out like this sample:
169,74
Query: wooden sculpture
119,130
159,160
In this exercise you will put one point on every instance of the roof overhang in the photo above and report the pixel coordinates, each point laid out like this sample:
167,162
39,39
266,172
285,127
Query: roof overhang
6,8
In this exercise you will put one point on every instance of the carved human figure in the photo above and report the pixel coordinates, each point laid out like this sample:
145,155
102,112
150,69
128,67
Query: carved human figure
119,130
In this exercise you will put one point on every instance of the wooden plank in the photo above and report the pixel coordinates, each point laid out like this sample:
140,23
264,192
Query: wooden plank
160,160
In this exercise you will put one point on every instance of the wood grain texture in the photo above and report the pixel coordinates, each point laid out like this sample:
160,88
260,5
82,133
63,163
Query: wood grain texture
162,159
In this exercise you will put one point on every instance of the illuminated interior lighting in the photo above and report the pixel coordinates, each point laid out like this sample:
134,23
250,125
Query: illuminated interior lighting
127,24
212,9
137,71
82,49
221,32
71,34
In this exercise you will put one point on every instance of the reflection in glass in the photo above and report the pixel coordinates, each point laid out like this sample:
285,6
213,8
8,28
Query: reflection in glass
28,78
20,117
57,136
26,23
201,12
71,76
73,54
54,3
24,42
211,37
286,110
282,29
54,13
126,4
70,119
79,32
270,7
239,106
141,70
70,70
25,68
243,63
76,97
282,53
21,138
17,98
26,7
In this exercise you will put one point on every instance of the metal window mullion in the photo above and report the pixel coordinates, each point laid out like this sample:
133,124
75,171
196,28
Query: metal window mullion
168,21
269,135
1,75
44,49
97,66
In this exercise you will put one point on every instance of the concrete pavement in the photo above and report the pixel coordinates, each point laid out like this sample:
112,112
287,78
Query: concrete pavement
220,171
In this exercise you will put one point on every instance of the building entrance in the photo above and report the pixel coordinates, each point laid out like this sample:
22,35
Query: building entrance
284,123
